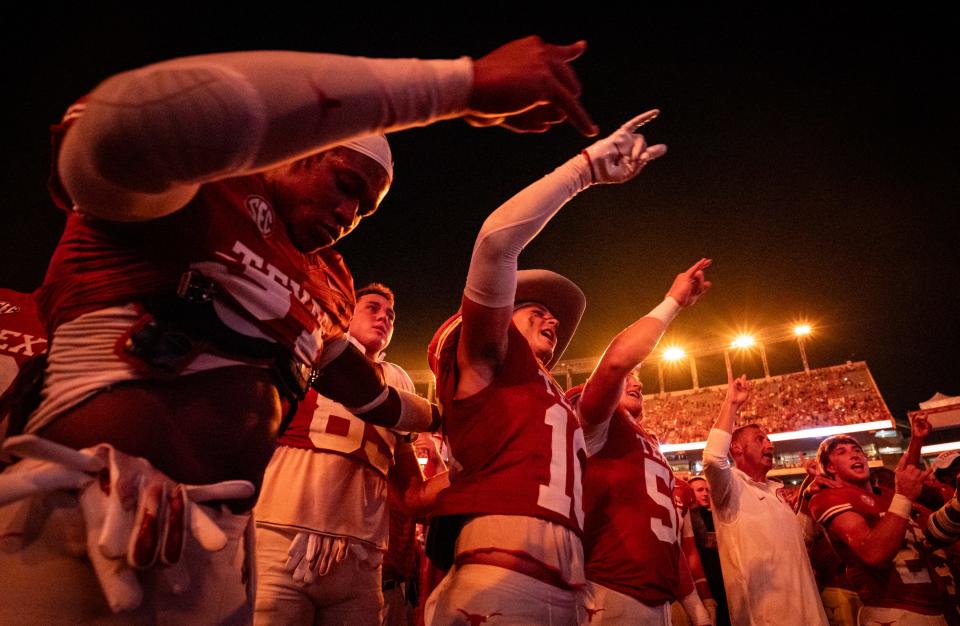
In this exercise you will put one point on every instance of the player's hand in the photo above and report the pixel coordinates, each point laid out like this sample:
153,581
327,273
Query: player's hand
920,427
135,516
711,605
622,155
738,390
528,85
688,286
910,479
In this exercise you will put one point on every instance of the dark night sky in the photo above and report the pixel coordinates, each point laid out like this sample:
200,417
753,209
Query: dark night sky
812,157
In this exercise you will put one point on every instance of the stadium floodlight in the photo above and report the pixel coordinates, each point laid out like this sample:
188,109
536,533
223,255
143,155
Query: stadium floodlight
674,353
742,341
801,330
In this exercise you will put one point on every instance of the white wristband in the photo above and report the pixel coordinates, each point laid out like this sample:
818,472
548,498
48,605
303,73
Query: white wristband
900,505
665,311
695,610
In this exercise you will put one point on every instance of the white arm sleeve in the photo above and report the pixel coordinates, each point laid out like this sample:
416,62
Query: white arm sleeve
196,119
724,487
492,278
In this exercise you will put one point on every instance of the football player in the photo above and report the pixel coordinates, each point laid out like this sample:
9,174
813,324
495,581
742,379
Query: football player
757,529
876,533
514,505
635,566
322,519
22,338
194,291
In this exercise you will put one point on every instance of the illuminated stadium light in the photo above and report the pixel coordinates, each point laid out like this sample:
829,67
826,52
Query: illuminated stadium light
823,431
936,448
674,353
801,330
742,341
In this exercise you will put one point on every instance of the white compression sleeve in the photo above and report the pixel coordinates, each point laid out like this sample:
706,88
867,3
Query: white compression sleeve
492,278
197,119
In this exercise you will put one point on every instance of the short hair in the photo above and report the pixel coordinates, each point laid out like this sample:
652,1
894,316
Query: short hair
377,289
739,433
691,480
828,445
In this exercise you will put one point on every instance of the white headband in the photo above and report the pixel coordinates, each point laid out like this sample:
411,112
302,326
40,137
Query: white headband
375,147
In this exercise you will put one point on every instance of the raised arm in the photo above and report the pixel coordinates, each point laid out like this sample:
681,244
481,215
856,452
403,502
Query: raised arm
148,138
603,389
716,463
877,546
919,430
492,278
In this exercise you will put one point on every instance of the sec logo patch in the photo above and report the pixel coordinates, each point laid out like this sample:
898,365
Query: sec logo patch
262,214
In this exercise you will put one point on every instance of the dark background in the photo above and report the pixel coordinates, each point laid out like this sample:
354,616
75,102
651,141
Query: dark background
812,156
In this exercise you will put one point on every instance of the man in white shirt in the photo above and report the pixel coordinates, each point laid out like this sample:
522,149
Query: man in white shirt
766,571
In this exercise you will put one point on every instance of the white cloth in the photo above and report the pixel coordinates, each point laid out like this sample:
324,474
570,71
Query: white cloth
555,546
766,571
47,577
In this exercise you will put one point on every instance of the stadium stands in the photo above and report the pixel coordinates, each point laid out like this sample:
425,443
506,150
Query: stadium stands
830,396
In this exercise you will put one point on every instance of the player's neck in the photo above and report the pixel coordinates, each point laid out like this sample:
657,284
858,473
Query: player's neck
863,485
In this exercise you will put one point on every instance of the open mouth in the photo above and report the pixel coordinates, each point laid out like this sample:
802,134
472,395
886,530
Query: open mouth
549,334
858,466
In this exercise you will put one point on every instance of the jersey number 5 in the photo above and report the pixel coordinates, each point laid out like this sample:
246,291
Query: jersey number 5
668,531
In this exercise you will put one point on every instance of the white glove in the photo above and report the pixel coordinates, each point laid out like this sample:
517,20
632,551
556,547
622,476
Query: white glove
134,514
622,155
312,555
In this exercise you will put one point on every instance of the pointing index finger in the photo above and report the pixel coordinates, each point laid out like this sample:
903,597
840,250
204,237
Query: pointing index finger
567,102
634,124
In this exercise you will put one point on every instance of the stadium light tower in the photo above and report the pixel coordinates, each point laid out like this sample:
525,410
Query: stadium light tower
672,354
802,331
743,342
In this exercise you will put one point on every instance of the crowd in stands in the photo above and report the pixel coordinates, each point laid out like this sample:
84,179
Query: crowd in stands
830,396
